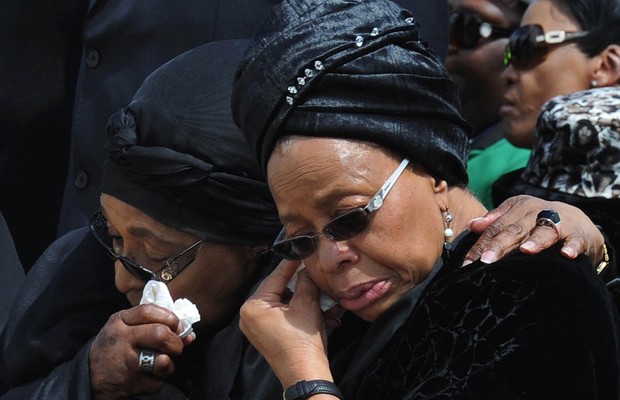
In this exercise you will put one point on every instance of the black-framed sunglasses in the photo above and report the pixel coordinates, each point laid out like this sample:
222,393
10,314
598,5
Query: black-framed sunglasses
172,267
343,227
529,45
467,30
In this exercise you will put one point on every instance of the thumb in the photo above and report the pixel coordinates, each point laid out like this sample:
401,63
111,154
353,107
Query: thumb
306,291
275,283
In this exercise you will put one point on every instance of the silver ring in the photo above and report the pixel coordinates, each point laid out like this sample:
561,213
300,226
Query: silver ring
146,361
549,218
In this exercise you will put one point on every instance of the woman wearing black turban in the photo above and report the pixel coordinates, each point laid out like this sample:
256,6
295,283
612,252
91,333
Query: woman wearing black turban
357,127
184,203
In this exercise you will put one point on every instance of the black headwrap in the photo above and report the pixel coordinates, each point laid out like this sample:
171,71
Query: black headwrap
175,153
350,69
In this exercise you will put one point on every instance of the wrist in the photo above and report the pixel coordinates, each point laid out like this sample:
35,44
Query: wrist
306,369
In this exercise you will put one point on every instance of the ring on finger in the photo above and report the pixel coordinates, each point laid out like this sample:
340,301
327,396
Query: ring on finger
550,218
146,361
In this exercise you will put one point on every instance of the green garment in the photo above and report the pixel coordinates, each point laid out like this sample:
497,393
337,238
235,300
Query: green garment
486,165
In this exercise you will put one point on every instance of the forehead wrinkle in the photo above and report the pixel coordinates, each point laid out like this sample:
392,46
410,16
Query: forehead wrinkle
320,176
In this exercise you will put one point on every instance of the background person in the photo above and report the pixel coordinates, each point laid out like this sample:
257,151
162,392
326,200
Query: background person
479,31
575,160
372,195
183,201
561,47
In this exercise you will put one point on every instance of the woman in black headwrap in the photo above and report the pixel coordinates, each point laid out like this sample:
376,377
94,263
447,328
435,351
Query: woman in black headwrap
184,203
357,127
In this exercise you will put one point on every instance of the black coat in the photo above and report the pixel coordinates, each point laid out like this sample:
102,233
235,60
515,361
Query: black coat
66,298
524,327
11,272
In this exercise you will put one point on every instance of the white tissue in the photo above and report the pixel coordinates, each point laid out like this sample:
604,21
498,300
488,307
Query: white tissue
156,292
325,302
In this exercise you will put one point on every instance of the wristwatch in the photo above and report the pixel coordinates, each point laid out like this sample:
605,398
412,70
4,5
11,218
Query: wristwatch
304,389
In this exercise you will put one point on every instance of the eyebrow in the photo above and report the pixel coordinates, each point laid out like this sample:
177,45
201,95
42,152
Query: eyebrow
149,234
326,202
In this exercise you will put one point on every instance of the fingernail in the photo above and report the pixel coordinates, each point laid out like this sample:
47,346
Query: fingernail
488,257
467,262
569,252
529,246
471,221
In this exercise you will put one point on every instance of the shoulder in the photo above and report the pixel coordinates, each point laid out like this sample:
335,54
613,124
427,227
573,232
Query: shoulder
538,287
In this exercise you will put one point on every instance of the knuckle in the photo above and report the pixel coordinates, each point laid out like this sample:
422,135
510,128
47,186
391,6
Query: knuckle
494,229
246,313
164,366
515,229
476,250
160,333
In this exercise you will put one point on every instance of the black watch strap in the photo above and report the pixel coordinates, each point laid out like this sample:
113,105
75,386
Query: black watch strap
304,389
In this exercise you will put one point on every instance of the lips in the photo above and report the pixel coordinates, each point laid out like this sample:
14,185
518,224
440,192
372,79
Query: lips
507,107
364,295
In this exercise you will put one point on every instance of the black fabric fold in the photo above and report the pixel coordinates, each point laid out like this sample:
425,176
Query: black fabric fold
175,153
351,69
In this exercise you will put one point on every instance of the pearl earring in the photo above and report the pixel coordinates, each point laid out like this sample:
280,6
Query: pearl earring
594,83
447,232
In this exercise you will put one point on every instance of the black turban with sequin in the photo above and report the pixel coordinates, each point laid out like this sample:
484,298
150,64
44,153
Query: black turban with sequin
175,153
350,69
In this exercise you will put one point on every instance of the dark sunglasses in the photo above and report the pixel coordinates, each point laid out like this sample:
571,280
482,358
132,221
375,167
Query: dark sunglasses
172,267
343,227
467,30
529,45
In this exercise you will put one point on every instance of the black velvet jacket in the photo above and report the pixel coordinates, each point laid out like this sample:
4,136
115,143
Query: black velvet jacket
525,327
602,211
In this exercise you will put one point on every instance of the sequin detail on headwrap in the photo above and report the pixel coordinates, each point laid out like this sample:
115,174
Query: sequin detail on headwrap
377,82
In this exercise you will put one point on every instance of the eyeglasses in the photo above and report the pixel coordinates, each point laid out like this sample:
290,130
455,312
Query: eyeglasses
172,267
343,227
467,30
529,45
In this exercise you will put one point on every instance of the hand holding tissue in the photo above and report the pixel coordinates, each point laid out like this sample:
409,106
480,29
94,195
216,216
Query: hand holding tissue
325,302
157,293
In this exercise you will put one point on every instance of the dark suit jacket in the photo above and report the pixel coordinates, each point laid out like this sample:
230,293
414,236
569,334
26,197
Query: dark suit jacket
50,70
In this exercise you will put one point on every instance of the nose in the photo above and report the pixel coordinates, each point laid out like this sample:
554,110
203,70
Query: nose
333,256
509,74
124,281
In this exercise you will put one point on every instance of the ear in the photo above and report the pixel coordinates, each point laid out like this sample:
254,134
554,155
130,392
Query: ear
607,72
440,188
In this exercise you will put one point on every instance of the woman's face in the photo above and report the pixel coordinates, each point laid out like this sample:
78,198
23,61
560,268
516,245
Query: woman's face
314,180
477,71
214,281
566,69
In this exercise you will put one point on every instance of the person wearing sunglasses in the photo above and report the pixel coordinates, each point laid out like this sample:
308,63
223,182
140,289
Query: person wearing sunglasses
562,46
479,30
372,193
182,203
576,160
